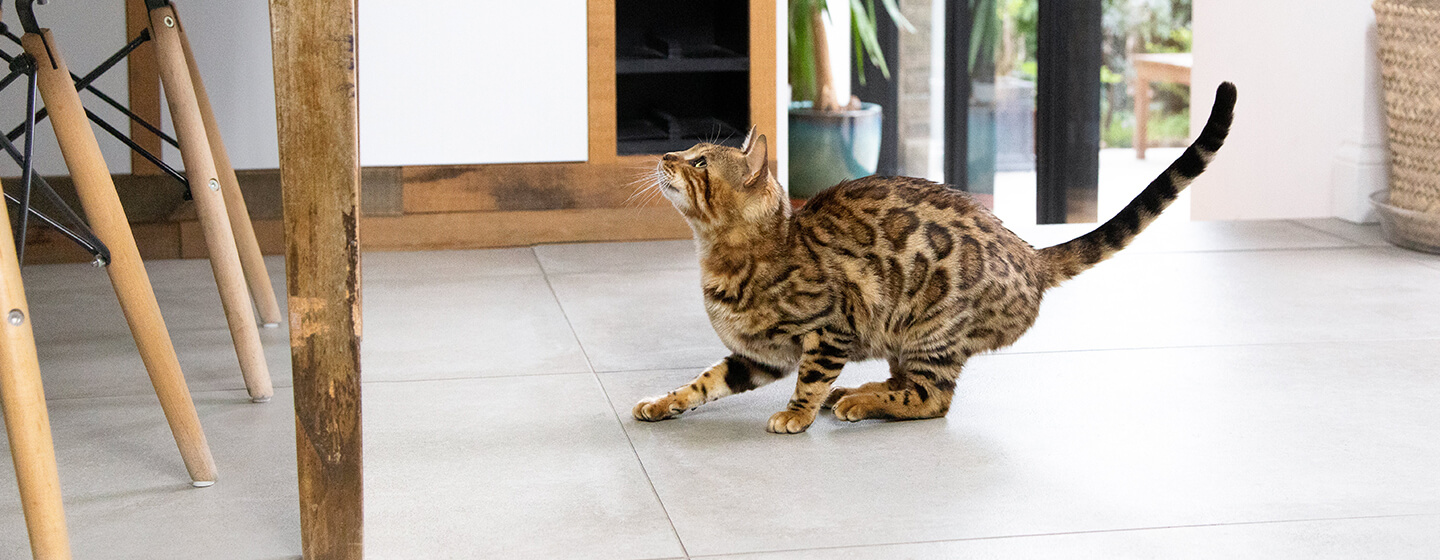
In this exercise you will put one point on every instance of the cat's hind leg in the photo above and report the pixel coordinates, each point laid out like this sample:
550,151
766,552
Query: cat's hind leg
891,384
919,387
838,393
734,374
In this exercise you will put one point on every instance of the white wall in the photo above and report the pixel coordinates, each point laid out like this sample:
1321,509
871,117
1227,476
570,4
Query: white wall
441,82
1308,137
459,81
780,139
85,34
536,51
231,42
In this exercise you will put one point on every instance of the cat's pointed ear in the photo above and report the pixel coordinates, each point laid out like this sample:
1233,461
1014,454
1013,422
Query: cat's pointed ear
757,159
749,137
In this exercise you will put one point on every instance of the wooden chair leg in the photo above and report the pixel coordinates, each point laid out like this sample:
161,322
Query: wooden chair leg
1142,114
251,260
127,272
26,421
209,202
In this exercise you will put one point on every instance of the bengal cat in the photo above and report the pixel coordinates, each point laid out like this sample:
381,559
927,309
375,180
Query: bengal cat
881,267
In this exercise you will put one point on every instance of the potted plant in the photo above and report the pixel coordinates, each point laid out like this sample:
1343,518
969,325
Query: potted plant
831,142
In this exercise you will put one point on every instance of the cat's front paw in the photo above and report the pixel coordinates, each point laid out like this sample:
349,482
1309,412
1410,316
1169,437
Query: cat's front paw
658,408
790,421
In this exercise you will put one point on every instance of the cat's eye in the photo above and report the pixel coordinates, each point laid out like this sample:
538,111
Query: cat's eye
698,162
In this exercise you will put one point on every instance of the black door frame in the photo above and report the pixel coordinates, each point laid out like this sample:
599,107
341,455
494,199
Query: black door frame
1067,163
958,23
1069,56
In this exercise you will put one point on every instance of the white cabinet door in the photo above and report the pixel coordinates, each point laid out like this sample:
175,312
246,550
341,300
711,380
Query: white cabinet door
467,81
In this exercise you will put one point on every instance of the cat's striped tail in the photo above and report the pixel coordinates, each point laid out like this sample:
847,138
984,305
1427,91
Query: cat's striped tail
1077,255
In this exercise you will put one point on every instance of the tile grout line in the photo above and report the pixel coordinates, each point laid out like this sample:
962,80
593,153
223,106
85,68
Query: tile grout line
372,382
1409,256
1331,234
618,420
1067,533
1202,346
1353,246
1092,350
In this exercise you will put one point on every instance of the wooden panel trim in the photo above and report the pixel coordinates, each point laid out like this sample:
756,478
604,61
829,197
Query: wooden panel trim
528,186
763,62
460,230
600,21
415,232
478,230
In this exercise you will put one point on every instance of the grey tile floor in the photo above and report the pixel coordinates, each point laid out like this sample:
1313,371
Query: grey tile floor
1244,390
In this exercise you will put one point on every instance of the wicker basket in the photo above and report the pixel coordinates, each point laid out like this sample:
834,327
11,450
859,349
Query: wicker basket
1409,33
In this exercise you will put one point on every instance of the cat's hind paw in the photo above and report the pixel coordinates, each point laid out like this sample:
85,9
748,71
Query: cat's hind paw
860,406
790,421
836,393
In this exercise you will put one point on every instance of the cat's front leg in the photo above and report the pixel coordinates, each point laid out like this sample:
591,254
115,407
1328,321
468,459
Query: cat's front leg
823,355
734,374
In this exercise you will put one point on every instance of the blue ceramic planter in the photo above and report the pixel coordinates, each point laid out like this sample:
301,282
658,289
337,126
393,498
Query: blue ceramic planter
826,148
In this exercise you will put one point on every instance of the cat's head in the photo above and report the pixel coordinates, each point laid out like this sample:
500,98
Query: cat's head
714,185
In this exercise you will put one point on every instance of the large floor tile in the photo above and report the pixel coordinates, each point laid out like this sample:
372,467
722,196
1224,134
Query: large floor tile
479,326
1364,234
519,467
109,365
1183,236
1061,442
127,495
80,313
1391,538
618,257
1431,260
639,320
63,277
86,348
77,302
1190,299
404,266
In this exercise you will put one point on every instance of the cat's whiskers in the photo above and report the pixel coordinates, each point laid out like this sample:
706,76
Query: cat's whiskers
645,182
648,190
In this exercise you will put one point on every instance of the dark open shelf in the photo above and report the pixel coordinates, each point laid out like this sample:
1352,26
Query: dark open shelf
663,132
672,65
658,56
659,113
682,73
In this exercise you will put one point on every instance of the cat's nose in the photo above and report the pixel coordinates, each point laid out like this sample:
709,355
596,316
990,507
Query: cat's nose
671,157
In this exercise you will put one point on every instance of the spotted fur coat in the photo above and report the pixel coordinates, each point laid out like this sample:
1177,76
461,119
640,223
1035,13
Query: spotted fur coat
893,268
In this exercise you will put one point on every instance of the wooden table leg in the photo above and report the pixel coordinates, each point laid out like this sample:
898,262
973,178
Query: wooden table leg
1142,111
26,421
209,202
313,47
127,272
251,260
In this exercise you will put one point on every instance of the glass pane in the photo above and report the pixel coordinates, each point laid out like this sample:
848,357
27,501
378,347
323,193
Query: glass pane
1155,34
922,90
1009,96
1150,40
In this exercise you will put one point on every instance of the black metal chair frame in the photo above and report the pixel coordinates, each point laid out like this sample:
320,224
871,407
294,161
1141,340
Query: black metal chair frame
24,64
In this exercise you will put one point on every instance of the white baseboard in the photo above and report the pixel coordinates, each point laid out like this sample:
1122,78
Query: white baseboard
1358,171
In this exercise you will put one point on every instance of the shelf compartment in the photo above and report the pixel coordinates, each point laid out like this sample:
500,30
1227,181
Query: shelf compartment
663,132
660,113
682,73
661,55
